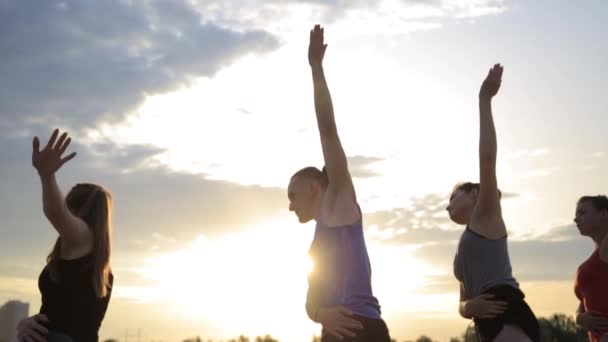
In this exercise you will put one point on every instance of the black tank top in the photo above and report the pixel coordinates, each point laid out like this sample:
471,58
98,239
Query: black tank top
70,302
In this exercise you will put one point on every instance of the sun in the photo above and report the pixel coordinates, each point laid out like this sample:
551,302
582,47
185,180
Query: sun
248,282
254,282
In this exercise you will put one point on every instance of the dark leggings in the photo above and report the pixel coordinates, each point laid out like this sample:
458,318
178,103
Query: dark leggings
518,313
374,330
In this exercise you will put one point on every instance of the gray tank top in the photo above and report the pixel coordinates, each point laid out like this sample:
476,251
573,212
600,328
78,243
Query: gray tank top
481,263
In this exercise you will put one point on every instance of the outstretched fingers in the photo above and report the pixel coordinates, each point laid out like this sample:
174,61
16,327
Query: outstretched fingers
52,139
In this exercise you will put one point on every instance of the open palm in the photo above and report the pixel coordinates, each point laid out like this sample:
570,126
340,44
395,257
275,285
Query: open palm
49,159
491,84
316,49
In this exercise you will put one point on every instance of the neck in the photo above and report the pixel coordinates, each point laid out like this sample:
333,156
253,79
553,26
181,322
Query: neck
601,237
317,202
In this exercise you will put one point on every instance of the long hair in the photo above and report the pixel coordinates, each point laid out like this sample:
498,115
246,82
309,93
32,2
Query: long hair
93,205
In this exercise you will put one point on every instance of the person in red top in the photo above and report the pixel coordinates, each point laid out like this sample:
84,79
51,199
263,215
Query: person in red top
591,286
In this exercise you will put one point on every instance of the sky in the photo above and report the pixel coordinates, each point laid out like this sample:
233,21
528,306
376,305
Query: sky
194,114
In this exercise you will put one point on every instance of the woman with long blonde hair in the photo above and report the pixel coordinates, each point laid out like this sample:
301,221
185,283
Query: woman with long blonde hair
76,282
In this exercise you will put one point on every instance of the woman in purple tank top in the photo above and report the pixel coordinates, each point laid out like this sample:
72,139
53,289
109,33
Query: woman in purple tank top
339,294
488,292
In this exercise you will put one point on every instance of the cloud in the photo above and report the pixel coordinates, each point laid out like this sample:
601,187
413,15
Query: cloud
555,255
179,206
543,172
385,17
359,166
423,221
77,63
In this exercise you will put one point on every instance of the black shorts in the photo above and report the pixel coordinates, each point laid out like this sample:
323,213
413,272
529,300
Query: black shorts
518,313
374,330
54,336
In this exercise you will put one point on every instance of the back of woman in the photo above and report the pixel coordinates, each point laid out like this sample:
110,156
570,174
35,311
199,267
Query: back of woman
76,283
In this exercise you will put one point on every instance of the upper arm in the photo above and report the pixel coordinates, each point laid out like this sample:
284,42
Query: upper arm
74,232
487,218
488,202
336,164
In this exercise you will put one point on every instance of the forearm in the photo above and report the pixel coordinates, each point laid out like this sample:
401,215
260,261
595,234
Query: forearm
487,131
323,105
52,199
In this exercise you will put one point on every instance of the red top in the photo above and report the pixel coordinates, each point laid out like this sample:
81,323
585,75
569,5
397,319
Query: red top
591,288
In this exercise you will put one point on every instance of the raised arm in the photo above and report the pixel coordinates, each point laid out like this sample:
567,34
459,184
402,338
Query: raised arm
488,209
73,231
335,159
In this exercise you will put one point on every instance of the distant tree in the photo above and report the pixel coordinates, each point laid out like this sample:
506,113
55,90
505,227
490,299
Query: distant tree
241,338
454,339
111,340
266,338
194,339
316,339
560,328
424,338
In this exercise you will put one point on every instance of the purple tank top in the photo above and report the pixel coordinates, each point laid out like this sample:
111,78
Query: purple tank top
342,271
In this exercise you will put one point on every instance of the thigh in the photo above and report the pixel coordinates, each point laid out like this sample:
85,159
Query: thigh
378,332
512,333
330,338
362,336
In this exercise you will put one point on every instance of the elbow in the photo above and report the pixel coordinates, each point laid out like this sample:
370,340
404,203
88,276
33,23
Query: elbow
463,312
50,212
54,211
464,315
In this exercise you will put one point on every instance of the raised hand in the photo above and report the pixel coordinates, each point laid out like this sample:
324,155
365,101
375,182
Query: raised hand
338,322
491,84
49,159
316,48
483,307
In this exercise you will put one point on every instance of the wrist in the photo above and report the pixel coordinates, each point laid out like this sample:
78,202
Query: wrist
483,99
46,177
316,66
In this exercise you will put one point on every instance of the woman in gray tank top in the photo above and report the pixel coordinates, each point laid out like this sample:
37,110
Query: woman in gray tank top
488,292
